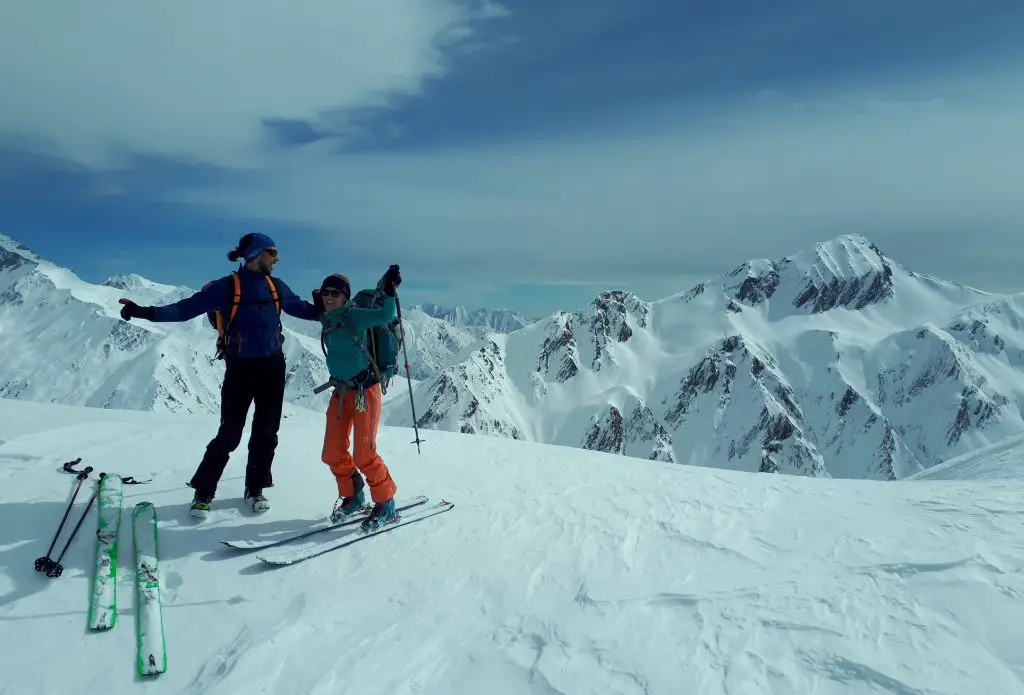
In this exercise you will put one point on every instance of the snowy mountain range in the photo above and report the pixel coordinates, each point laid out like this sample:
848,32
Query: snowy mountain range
833,361
440,334
478,321
64,342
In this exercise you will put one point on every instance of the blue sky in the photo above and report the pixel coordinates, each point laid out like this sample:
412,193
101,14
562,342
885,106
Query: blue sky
523,154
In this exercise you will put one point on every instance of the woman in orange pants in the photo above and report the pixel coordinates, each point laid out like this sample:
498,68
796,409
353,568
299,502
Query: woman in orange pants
355,405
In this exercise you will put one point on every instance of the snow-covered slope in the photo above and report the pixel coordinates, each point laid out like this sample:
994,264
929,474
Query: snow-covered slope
59,324
480,322
63,342
833,361
433,343
439,336
554,573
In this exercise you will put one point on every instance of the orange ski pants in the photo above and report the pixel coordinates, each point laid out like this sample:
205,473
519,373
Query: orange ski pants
343,419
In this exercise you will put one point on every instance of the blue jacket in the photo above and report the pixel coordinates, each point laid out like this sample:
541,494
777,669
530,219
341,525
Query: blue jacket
256,330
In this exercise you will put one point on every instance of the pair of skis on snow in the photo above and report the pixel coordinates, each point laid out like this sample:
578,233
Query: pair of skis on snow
151,653
409,511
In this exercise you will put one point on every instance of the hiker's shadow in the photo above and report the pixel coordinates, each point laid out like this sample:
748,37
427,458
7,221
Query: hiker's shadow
27,528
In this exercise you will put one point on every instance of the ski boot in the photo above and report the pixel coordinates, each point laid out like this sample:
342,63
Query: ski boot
383,513
200,507
346,506
258,503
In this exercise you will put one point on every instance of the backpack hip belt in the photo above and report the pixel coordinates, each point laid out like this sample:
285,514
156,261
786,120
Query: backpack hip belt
341,387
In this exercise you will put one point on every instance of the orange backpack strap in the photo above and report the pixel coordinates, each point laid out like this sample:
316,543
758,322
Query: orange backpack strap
236,297
273,293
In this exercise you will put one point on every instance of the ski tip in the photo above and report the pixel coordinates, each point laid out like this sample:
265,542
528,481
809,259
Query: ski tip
144,508
242,545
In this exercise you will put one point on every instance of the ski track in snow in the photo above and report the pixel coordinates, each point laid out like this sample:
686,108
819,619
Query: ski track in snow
555,574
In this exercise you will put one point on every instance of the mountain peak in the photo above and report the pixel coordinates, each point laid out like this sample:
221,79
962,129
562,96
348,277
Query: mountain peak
847,271
9,248
130,281
846,256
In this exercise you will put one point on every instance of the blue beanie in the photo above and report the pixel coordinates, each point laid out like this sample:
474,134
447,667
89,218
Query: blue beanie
259,243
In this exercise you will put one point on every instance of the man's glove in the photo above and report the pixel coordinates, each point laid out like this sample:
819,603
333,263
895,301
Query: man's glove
392,279
132,310
318,300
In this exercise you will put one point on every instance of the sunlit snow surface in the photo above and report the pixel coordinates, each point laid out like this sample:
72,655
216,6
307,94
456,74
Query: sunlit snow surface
558,571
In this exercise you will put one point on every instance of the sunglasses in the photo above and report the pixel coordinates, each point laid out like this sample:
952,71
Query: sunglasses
330,292
272,251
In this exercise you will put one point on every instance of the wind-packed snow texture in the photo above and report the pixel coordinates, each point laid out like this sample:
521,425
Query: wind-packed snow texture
557,572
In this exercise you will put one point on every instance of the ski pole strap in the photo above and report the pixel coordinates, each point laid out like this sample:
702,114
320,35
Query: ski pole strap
129,480
69,467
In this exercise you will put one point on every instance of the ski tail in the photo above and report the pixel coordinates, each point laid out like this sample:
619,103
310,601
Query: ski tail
151,647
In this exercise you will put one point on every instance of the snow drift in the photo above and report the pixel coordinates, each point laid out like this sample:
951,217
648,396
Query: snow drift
557,572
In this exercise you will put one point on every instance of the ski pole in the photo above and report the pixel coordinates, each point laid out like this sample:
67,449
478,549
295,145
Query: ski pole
69,467
55,569
44,563
408,376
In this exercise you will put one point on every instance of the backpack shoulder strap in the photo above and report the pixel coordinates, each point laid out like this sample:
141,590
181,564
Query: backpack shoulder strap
274,294
362,346
354,335
234,296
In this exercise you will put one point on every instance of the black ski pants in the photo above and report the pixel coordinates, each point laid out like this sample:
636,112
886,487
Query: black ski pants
259,381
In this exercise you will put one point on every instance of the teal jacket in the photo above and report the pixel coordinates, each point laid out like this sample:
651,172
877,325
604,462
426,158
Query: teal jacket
345,339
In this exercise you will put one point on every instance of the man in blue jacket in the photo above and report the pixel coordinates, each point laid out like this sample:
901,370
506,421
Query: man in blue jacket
254,364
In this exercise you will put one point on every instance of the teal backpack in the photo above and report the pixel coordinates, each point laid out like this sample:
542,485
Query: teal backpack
382,343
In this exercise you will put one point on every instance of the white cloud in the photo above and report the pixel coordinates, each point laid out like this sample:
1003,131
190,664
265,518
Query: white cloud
679,197
193,78
930,167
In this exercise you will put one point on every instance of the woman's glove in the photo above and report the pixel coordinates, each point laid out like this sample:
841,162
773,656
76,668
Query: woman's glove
392,279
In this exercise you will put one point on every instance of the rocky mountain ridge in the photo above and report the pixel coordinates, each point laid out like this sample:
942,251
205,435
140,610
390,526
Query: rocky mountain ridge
834,361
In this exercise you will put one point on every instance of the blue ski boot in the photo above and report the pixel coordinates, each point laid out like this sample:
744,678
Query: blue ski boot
383,513
346,506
